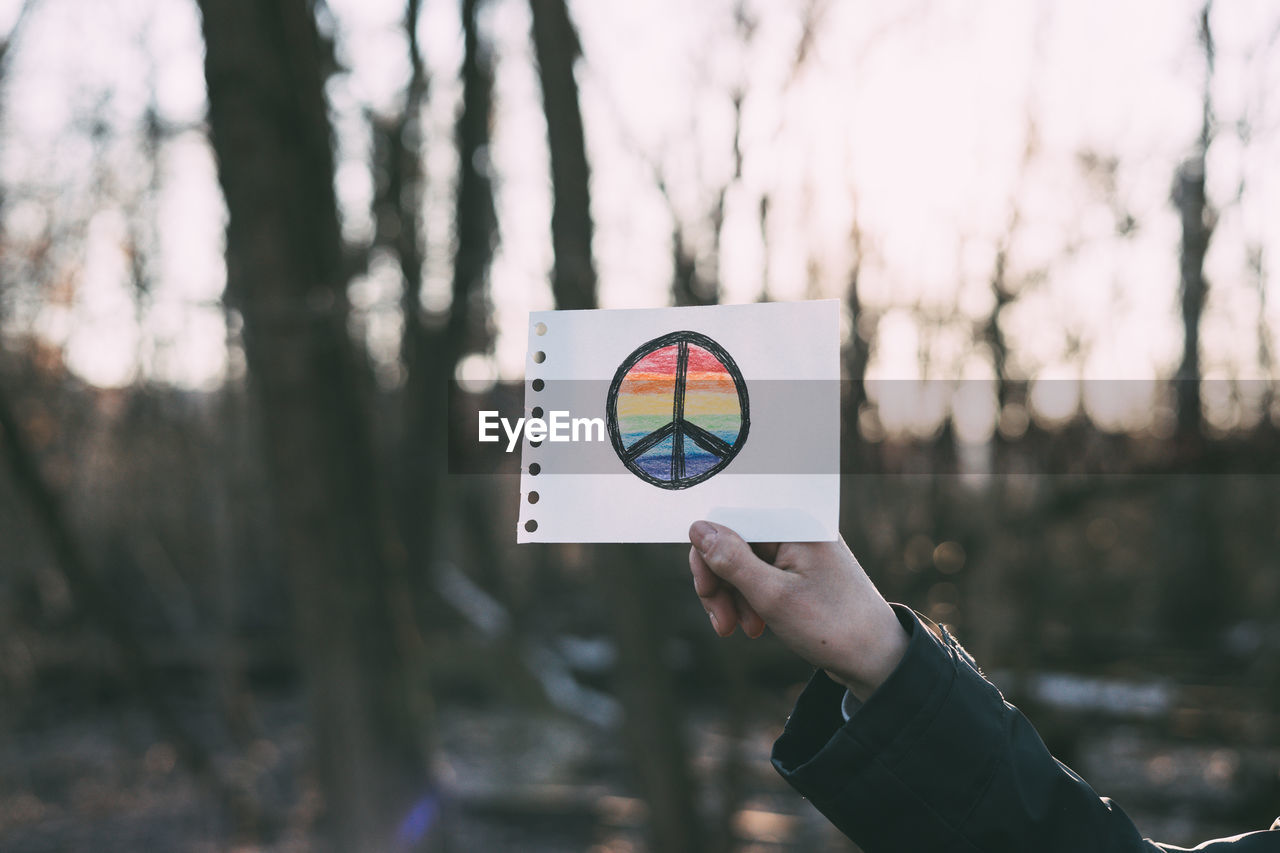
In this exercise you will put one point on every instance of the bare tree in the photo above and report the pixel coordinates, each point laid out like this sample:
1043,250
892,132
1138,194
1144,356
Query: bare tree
1194,596
265,67
91,594
555,42
1198,220
431,347
398,214
654,725
474,215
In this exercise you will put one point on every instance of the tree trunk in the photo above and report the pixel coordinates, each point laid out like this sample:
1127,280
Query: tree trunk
474,216
1197,229
856,358
431,351
654,724
265,70
556,44
1195,606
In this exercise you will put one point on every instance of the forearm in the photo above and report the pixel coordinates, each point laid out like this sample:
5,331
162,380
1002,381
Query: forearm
936,760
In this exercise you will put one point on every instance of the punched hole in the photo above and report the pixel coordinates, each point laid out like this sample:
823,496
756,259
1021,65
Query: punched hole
540,329
538,385
531,525
535,444
537,412
533,497
539,357
534,469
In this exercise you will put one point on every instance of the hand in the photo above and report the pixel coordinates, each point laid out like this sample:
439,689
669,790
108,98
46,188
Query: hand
817,598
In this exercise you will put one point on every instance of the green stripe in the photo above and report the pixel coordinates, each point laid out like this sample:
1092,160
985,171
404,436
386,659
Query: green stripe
717,423
643,423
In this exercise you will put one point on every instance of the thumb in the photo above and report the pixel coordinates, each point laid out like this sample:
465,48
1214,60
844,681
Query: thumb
732,560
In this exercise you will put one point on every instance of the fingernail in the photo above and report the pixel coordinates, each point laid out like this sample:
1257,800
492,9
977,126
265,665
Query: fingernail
714,623
703,536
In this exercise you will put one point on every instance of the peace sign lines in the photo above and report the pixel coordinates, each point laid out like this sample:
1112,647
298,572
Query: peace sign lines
679,428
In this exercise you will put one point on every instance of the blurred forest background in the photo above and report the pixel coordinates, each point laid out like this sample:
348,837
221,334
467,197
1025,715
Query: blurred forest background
245,246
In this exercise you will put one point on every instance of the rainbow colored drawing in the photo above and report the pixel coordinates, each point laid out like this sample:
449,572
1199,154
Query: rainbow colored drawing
678,410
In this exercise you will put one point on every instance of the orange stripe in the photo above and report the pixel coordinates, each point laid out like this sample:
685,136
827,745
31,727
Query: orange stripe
648,386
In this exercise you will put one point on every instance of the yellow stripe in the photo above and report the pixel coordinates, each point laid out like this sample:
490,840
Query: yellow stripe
710,403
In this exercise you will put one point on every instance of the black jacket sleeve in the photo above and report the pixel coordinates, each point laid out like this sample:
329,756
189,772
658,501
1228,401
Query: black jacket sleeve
936,760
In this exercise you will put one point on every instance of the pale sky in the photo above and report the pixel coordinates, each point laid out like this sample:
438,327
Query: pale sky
915,112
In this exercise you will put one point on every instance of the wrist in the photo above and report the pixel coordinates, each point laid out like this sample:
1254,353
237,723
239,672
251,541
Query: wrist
873,659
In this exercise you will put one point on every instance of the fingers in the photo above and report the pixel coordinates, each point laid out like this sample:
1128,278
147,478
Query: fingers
752,624
716,596
725,606
732,560
767,551
705,582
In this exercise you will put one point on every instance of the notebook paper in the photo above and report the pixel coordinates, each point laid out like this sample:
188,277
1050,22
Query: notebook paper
660,417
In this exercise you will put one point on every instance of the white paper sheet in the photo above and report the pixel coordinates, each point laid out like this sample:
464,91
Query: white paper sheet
782,484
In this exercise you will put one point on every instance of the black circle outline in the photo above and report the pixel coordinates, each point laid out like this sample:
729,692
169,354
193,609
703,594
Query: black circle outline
611,406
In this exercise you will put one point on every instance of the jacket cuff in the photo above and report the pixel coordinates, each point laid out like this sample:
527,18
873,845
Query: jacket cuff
926,736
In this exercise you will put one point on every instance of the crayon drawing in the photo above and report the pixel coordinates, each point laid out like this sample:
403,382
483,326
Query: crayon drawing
678,410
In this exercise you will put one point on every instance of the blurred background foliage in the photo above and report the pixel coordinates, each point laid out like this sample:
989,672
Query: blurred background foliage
246,246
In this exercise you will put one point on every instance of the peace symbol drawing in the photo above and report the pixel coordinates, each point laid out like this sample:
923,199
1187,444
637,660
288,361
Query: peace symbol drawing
677,410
